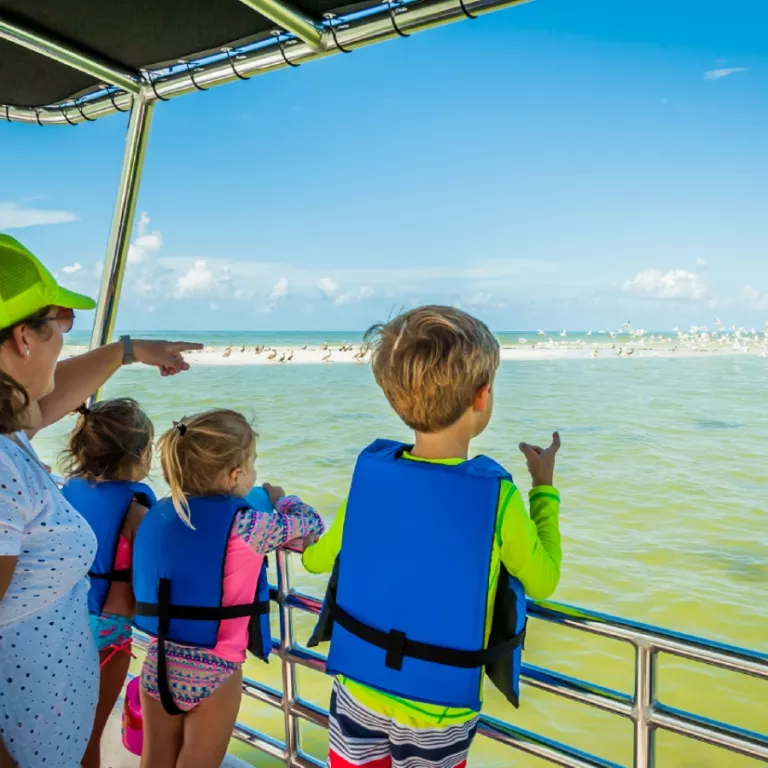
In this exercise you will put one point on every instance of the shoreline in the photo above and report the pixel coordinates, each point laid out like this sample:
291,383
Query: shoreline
356,354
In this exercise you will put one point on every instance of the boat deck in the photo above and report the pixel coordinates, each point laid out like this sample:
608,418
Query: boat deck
115,755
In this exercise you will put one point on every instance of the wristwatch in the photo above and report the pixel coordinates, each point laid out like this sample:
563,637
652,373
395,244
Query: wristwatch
128,357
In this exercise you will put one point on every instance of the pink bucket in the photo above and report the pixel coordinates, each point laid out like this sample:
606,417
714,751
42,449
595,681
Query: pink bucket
133,724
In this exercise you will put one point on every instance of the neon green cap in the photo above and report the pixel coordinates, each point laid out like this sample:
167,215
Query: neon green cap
26,286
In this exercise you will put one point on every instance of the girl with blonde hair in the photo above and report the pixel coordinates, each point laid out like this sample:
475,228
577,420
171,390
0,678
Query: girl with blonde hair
199,575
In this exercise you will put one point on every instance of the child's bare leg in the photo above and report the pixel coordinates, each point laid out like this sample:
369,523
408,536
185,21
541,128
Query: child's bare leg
163,734
110,684
208,727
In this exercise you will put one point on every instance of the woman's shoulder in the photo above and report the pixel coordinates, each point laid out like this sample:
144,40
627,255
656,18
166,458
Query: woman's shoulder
23,480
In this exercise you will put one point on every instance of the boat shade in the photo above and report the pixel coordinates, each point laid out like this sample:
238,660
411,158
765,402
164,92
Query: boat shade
128,35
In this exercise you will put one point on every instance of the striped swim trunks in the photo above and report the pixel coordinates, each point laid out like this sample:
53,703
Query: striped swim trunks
361,737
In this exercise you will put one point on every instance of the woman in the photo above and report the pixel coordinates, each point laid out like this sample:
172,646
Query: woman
48,660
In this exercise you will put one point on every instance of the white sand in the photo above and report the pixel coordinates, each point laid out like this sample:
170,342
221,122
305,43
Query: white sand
539,351
294,356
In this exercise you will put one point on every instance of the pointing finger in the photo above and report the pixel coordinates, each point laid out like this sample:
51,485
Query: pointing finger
185,346
555,447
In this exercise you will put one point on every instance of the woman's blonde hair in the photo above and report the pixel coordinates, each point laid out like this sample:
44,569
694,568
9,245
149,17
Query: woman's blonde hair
196,451
112,440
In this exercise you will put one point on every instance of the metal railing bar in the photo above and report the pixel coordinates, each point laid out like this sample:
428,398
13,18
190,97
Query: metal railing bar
64,53
303,760
647,714
289,18
710,652
121,227
712,732
263,693
645,694
540,746
353,31
311,712
606,699
260,741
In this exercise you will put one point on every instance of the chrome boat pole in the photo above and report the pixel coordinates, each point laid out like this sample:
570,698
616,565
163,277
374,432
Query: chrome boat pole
122,222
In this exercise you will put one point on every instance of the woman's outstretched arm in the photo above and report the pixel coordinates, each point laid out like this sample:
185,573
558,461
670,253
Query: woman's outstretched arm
79,377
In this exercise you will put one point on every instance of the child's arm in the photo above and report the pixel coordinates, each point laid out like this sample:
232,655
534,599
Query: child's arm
320,557
292,519
530,546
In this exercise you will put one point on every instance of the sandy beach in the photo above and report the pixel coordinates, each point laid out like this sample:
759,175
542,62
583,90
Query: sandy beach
546,349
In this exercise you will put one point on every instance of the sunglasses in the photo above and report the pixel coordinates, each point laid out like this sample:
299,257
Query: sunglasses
64,317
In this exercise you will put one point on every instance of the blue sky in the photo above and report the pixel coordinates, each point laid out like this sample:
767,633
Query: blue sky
559,164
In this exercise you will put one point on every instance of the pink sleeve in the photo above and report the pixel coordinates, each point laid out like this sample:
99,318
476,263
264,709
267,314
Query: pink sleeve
266,531
124,554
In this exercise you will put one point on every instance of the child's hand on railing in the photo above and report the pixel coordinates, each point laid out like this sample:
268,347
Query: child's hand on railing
299,545
541,462
275,493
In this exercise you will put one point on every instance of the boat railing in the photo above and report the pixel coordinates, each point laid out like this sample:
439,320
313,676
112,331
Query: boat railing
643,707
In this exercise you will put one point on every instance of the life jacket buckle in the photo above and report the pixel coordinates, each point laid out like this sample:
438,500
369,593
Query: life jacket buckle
395,650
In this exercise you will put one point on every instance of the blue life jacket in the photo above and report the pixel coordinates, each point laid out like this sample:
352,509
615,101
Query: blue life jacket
105,506
406,607
178,575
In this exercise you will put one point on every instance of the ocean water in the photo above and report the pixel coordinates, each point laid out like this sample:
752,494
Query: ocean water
664,482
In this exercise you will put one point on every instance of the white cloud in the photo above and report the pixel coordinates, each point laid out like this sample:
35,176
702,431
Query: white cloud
674,284
753,298
76,267
479,299
327,286
359,294
213,306
16,216
146,242
701,263
719,74
200,280
280,288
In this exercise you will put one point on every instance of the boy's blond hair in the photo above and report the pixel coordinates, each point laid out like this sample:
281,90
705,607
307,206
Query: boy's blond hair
430,362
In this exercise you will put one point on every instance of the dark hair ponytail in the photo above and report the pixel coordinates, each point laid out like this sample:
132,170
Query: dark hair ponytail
14,401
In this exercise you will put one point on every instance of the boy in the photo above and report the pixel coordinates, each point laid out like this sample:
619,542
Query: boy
438,553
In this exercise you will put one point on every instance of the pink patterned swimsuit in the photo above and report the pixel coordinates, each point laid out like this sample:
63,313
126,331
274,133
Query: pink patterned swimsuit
194,673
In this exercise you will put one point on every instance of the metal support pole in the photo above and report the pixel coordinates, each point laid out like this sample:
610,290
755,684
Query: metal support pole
286,646
645,695
122,222
65,54
289,18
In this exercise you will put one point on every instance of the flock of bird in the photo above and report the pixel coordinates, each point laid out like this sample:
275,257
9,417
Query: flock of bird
629,341
623,342
286,355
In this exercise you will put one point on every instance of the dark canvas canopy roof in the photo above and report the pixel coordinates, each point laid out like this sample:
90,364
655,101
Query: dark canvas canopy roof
65,61
131,34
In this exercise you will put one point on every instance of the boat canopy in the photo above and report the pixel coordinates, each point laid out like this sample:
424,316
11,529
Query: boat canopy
65,63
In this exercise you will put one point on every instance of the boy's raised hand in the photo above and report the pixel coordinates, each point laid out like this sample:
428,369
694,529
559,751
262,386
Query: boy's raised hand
541,462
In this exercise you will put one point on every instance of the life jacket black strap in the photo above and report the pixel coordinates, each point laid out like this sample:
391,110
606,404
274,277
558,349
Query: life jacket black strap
165,611
203,613
121,575
397,646
163,687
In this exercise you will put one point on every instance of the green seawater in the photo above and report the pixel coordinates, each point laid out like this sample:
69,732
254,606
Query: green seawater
664,482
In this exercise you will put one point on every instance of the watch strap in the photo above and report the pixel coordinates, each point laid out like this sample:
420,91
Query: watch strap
127,342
